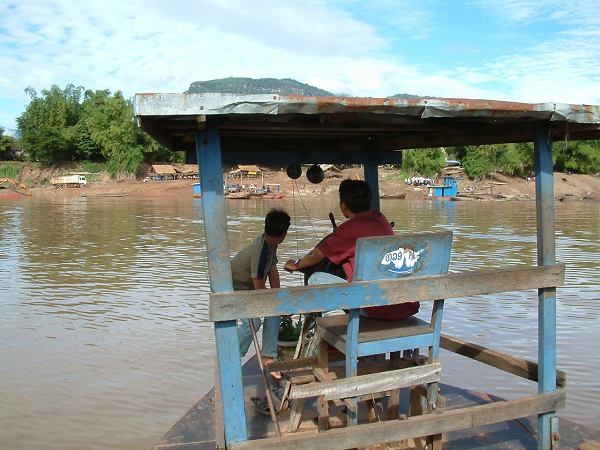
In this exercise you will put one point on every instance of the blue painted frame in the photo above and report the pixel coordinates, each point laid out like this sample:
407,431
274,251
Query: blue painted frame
544,193
208,150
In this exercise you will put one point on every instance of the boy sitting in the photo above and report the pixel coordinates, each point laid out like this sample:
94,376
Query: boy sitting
250,268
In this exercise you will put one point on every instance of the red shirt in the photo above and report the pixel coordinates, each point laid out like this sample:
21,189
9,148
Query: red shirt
340,247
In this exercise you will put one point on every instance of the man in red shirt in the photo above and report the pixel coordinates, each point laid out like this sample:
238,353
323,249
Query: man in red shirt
340,246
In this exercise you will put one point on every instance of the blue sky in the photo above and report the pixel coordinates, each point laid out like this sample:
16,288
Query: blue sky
518,50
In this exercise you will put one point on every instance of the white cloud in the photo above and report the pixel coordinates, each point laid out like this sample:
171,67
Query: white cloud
515,11
566,66
167,45
158,46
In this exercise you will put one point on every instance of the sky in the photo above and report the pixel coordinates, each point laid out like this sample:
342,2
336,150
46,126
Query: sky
519,50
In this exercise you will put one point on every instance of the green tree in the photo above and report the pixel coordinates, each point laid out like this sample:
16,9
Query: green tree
479,160
107,130
426,161
6,142
47,123
579,156
515,159
73,125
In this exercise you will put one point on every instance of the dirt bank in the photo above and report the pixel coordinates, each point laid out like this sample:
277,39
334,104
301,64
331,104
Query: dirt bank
497,187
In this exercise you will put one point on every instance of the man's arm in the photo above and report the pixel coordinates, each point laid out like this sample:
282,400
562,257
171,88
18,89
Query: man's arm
274,277
313,257
259,283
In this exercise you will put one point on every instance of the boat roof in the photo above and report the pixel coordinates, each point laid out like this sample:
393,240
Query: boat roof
275,123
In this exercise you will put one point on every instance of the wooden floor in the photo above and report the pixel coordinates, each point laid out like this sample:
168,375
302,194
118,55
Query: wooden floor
196,430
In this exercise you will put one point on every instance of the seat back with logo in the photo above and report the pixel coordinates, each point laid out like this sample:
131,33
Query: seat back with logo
398,256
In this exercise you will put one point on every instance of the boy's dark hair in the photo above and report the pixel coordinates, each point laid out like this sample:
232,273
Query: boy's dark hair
277,222
356,194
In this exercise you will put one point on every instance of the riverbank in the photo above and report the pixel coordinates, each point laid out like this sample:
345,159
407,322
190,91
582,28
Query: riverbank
391,185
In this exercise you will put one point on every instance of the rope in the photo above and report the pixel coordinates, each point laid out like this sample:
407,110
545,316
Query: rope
295,217
306,211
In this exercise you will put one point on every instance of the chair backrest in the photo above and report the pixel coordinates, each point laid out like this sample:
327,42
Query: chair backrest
426,253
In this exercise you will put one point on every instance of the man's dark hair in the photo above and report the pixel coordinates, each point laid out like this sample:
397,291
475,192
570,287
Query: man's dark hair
277,222
356,194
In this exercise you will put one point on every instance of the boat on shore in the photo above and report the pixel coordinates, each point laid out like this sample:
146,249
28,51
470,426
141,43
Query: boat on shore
197,190
393,196
16,191
9,195
238,195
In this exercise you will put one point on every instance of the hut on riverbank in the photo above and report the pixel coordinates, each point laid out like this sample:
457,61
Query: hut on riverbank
161,172
187,171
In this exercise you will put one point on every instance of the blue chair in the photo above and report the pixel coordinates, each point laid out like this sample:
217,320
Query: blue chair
378,258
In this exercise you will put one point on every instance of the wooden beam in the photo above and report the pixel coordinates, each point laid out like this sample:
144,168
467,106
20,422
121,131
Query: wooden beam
508,363
274,302
369,384
423,425
298,363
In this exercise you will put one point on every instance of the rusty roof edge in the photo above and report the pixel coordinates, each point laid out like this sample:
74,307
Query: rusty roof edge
219,103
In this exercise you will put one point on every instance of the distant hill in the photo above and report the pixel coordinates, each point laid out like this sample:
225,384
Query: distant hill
236,85
239,85
409,96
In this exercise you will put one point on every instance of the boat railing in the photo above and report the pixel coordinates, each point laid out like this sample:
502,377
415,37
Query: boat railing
227,307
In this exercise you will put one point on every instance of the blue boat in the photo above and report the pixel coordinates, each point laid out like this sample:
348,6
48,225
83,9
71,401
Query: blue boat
197,190
447,190
225,129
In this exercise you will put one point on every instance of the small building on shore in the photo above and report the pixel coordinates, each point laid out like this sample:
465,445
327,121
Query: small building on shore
187,171
246,171
161,172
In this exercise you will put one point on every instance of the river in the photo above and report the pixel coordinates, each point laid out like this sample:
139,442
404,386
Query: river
104,341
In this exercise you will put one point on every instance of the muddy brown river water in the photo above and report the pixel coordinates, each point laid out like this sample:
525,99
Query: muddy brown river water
104,341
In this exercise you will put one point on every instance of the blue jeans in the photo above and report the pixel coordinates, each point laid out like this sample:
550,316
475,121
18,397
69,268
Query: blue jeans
269,337
324,278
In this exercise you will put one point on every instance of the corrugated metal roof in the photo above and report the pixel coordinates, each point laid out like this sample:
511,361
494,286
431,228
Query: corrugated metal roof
424,108
267,124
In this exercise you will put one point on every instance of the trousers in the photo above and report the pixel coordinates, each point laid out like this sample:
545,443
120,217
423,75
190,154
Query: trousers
269,335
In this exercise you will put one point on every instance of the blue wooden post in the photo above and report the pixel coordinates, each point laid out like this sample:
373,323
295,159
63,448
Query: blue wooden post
544,193
352,360
208,149
371,177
